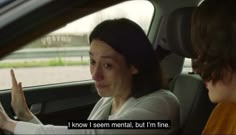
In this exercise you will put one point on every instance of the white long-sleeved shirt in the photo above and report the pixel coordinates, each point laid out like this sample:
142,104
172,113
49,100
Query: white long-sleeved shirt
159,105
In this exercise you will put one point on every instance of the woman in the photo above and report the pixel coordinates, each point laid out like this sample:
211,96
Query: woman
127,76
214,41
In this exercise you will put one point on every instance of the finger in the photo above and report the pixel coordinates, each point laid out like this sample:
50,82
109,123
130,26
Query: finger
17,93
20,88
13,78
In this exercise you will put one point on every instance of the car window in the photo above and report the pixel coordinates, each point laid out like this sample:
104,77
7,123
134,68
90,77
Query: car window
187,67
62,55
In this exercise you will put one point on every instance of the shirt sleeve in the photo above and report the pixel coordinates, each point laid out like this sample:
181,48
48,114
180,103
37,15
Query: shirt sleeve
141,113
151,108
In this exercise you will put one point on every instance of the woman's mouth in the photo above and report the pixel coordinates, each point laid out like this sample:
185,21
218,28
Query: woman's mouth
101,85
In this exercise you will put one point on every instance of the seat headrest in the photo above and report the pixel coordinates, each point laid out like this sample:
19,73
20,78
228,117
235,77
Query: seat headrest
178,32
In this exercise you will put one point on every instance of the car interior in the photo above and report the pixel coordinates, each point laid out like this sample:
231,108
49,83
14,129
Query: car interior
169,32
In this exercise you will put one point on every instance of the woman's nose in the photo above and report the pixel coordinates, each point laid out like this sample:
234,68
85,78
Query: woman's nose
97,74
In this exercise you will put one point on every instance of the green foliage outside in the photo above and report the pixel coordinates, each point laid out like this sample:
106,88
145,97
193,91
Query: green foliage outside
47,63
51,41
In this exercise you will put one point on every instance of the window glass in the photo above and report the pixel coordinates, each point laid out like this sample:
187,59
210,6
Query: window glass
62,55
187,67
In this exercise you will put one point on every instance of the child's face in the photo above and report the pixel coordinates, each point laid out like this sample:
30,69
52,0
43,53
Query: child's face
223,91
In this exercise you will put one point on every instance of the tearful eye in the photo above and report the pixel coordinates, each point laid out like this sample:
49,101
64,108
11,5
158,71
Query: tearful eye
92,62
107,66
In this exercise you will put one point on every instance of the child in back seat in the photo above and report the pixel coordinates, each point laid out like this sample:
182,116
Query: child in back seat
213,33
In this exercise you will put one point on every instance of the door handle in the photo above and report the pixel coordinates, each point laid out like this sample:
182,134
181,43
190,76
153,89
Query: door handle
36,108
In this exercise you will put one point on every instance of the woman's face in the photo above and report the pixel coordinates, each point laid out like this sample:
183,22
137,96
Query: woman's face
222,91
109,70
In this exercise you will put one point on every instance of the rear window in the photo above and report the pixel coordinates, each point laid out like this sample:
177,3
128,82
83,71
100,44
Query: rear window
187,67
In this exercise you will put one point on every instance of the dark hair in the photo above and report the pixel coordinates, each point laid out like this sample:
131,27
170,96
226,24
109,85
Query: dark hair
213,34
128,39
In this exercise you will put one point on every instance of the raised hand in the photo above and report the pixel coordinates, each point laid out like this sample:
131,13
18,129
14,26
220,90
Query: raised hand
18,101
